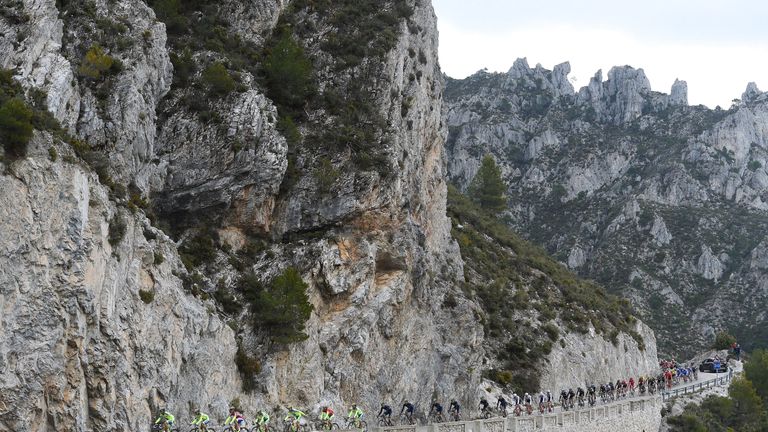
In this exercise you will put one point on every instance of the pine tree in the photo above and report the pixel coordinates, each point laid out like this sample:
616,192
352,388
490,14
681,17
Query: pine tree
283,308
487,188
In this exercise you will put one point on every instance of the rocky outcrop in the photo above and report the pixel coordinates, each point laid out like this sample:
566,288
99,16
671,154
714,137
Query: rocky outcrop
692,177
578,360
97,332
679,93
31,43
238,167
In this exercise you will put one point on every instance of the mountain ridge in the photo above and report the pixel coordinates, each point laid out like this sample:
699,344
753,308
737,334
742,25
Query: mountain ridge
629,187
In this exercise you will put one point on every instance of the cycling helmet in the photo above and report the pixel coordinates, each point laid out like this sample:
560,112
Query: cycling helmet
231,409
197,411
354,406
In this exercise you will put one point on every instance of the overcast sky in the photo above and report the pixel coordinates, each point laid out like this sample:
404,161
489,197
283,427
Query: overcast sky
716,46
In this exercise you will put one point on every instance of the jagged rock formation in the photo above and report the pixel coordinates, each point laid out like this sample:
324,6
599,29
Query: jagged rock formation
655,199
106,317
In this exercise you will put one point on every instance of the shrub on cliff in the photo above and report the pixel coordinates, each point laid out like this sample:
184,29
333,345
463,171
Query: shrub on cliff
248,366
200,249
96,63
288,74
723,340
280,309
15,127
218,80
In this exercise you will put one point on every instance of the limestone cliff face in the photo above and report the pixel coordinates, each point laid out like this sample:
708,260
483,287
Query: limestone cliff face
81,350
655,199
102,322
587,359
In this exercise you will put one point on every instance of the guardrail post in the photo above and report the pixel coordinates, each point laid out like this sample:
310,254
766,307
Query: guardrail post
512,422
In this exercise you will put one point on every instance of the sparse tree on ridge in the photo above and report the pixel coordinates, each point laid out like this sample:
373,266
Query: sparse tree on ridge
487,188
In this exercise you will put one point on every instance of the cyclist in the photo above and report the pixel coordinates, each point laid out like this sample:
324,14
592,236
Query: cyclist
385,413
632,385
571,397
563,399
454,410
518,405
484,406
592,394
235,418
550,406
501,403
542,398
438,410
326,417
294,416
408,409
201,420
580,396
165,418
355,415
528,400
262,420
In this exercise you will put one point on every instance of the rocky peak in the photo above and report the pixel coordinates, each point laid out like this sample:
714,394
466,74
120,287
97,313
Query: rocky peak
592,93
619,99
560,78
752,94
554,82
520,69
679,93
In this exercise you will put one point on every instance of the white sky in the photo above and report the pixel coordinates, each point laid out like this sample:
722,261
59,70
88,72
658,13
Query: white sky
717,46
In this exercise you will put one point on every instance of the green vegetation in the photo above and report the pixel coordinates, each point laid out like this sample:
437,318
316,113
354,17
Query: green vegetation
723,340
117,229
96,63
326,175
487,188
248,366
146,296
756,369
280,309
184,67
364,28
15,127
198,25
754,165
200,249
288,74
218,80
510,277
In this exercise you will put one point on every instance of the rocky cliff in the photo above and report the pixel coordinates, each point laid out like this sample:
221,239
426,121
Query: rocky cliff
145,228
658,200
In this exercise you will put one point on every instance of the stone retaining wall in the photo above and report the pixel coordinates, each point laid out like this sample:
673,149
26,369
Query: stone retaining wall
637,415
